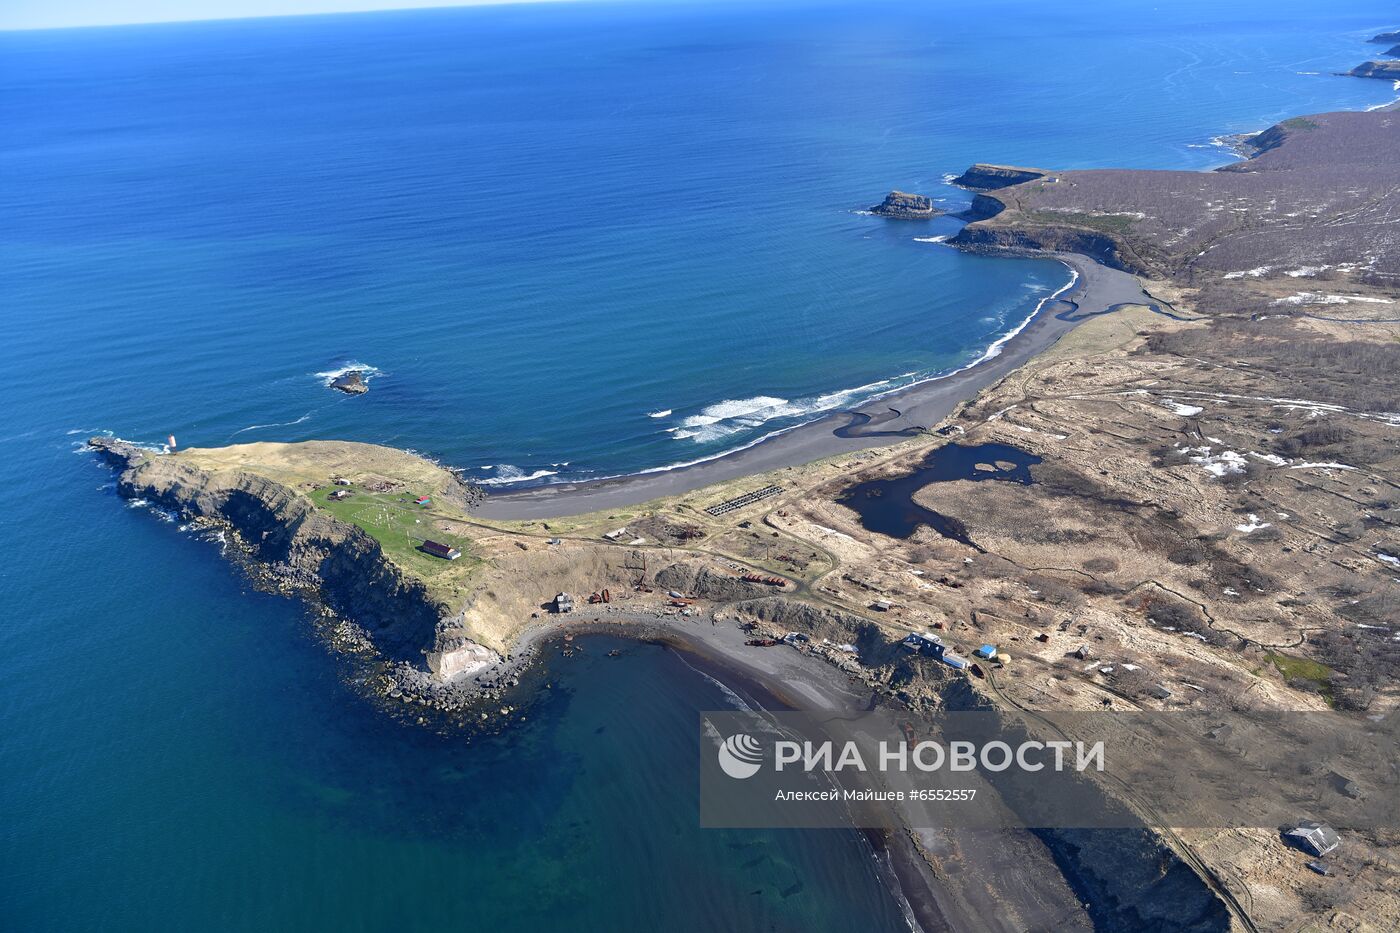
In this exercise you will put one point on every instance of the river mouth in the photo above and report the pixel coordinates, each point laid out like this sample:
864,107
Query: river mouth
887,506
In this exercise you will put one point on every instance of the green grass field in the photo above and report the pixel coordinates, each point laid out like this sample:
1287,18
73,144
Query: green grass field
1294,668
401,527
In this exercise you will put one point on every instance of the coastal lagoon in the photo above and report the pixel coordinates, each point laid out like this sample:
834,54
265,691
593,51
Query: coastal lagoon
571,241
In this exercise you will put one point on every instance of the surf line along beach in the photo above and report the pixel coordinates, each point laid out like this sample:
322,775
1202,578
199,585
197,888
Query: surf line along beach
1094,289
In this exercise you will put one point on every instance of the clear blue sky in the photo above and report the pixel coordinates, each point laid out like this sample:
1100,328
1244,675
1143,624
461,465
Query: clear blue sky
45,14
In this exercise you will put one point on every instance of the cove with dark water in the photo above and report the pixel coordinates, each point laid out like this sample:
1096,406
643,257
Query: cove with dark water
887,506
567,241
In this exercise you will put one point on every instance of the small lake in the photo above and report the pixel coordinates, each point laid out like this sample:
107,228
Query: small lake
887,506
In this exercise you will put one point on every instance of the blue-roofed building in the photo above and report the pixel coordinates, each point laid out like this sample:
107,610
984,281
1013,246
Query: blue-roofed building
986,652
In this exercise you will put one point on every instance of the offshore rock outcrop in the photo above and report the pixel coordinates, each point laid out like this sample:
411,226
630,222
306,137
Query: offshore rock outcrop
901,205
308,549
351,383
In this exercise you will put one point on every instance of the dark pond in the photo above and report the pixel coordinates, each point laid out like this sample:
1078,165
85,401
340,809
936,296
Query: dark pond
887,506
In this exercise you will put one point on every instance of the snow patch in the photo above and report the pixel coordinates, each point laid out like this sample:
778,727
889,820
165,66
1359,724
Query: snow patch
1317,298
1254,524
1186,411
1222,464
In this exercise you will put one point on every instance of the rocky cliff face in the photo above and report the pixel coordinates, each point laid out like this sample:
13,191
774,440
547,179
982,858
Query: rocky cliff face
986,177
342,564
1047,238
1131,880
1336,170
704,583
901,205
1389,71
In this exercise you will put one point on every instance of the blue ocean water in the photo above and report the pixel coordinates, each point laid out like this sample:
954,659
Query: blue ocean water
542,226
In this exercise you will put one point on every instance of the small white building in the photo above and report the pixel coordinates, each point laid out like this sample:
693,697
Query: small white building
1313,837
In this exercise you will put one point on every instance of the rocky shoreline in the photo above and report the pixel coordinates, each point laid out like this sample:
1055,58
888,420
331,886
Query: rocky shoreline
365,606
1385,70
285,549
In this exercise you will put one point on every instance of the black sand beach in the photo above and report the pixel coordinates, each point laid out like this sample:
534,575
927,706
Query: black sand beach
1021,886
1096,289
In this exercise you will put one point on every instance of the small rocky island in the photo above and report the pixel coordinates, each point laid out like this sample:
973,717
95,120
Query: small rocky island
901,205
1387,37
351,383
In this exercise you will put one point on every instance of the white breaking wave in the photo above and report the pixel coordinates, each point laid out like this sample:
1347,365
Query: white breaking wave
994,350
507,473
731,416
331,375
659,414
930,239
734,415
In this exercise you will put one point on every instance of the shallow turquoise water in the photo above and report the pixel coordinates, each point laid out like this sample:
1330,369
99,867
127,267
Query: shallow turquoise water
541,225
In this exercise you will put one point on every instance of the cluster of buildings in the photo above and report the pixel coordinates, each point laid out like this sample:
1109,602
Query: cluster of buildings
930,644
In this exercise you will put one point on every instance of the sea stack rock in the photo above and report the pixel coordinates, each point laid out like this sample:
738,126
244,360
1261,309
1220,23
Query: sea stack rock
1389,71
351,383
904,206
